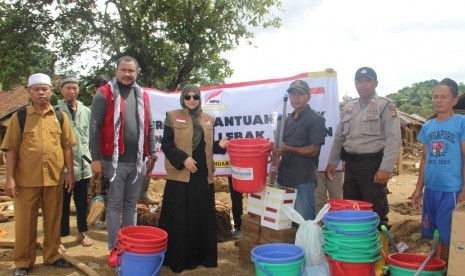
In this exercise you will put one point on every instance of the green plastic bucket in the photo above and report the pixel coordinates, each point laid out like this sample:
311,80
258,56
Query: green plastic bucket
399,271
351,222
366,243
330,234
354,258
281,269
359,226
370,249
278,259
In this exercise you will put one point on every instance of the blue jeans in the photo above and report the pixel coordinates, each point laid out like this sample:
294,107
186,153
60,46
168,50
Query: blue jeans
305,202
122,197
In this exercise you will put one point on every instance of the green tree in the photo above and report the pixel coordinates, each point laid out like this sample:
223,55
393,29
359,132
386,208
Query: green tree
24,30
175,41
416,99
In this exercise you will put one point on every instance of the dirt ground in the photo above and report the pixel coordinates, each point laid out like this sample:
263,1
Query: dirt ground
405,220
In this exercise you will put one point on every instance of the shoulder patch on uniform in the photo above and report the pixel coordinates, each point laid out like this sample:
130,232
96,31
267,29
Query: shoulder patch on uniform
392,109
351,100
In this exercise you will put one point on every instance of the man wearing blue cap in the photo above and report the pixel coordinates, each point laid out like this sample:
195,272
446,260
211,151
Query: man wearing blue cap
304,133
37,149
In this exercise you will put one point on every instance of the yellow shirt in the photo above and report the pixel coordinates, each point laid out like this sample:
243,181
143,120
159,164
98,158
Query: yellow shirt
40,157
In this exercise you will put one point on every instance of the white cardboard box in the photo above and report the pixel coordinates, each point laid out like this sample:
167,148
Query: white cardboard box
277,203
456,264
275,214
255,203
256,209
282,193
256,197
274,217
275,223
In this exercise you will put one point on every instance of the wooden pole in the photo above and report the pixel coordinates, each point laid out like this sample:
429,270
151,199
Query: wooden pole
80,265
400,165
11,244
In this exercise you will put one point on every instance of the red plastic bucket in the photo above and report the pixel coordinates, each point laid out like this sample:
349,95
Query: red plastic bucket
142,239
348,204
338,268
140,249
250,144
249,159
414,261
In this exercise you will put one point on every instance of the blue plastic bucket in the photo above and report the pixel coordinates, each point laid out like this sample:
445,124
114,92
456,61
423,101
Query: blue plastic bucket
278,259
351,216
351,219
277,253
139,264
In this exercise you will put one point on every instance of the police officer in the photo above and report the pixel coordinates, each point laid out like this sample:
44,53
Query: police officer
368,138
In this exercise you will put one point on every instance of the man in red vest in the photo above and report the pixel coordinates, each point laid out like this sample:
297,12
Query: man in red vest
122,144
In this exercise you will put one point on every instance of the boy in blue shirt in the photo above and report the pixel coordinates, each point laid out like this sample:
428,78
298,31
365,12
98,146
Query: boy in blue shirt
442,165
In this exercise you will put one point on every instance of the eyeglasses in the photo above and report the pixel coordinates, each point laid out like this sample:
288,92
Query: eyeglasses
189,97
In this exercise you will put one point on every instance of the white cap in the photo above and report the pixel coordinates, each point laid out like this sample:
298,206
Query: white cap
39,78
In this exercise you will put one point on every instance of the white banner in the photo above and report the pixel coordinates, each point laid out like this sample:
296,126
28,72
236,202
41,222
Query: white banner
249,110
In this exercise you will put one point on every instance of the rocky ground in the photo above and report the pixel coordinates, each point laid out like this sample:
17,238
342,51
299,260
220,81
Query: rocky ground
404,217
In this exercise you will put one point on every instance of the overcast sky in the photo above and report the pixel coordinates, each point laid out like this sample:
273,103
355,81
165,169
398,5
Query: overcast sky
405,41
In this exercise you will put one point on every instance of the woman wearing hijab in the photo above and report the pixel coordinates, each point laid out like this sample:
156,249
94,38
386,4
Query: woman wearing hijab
188,209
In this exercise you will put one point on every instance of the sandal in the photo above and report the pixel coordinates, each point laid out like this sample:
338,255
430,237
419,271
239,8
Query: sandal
61,248
86,241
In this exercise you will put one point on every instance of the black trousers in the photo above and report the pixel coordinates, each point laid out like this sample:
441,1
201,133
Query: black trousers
79,193
359,185
236,200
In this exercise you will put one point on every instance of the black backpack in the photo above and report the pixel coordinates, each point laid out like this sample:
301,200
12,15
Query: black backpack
21,113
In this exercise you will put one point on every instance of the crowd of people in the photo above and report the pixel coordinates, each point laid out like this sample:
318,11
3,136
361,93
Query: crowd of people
53,152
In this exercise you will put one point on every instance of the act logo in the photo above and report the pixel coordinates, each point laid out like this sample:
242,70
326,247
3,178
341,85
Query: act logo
214,97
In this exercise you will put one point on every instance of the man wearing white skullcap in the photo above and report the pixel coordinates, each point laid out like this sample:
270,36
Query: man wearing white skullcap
36,154
39,78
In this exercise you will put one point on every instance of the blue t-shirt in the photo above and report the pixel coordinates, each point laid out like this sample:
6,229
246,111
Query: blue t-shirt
443,171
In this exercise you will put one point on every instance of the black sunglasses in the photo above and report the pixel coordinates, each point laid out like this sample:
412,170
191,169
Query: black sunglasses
188,97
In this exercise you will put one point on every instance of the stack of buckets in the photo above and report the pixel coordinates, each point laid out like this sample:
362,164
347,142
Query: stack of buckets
141,250
249,159
348,204
281,259
352,242
404,264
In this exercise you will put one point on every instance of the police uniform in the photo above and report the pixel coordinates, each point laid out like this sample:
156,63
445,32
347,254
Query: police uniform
368,138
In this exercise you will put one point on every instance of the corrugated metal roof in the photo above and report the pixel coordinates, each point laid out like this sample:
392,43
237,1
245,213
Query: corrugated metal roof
10,101
411,119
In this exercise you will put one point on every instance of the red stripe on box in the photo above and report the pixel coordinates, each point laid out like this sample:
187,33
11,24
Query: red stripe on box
269,219
271,209
317,90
